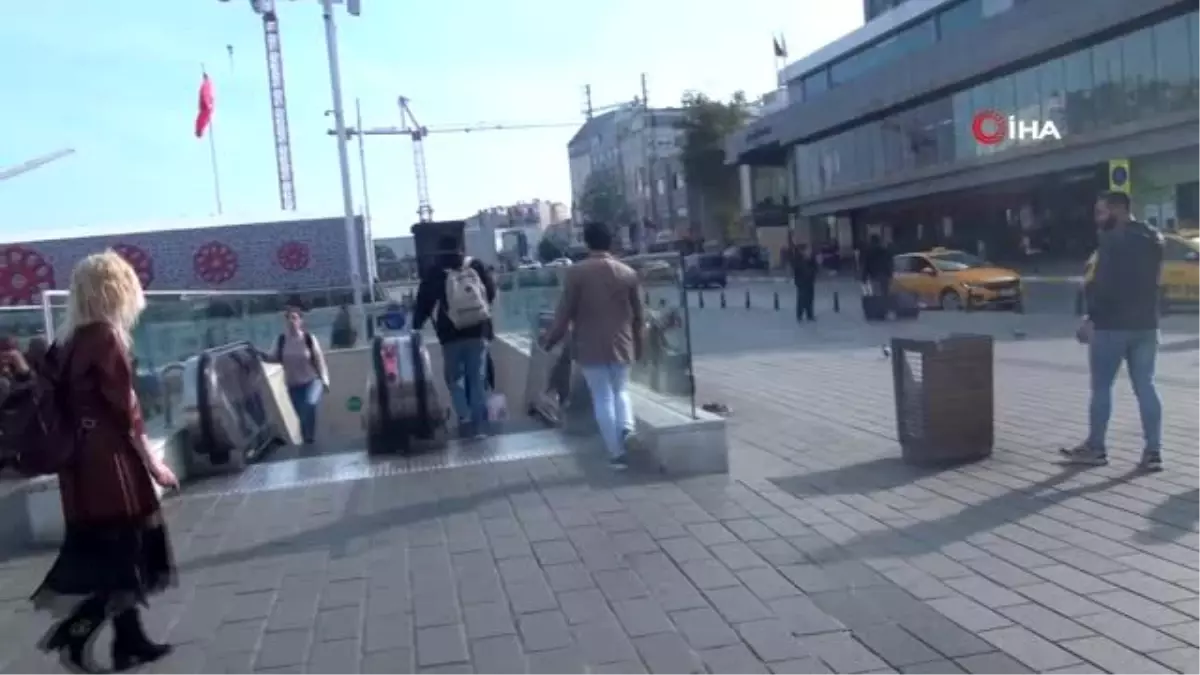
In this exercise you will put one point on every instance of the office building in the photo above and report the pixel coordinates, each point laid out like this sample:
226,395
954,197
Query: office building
640,148
986,124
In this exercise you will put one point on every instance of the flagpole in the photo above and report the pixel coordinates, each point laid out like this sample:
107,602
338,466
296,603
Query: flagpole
212,151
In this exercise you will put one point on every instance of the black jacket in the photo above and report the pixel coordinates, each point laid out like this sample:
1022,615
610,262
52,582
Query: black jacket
1123,293
431,297
804,270
876,263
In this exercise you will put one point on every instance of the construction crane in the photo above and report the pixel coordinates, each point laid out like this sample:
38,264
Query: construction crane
36,162
279,118
409,126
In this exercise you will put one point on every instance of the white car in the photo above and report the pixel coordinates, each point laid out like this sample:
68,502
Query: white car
559,262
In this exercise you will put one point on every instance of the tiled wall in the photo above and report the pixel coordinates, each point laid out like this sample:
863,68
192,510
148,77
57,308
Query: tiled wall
257,256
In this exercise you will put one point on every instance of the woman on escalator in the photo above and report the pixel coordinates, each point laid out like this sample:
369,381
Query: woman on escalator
116,551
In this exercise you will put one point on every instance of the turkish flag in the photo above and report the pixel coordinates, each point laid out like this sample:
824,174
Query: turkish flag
205,112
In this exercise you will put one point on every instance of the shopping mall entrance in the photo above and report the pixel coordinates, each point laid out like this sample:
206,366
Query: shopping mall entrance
1048,217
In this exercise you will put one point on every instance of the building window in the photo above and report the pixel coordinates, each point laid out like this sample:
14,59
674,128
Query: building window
1051,90
1080,91
795,91
960,17
1172,72
1029,96
1137,55
816,84
1109,92
993,7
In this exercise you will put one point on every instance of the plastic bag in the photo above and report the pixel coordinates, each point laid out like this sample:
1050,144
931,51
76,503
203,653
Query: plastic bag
497,407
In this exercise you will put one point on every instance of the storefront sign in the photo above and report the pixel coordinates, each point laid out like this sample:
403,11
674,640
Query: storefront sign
991,128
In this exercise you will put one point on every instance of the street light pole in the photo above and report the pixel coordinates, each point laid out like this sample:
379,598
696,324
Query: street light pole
366,197
339,120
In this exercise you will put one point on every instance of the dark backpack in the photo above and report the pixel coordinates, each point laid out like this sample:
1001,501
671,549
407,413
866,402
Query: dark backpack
37,435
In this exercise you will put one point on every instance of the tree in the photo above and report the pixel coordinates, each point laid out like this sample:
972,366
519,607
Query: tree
706,124
547,250
384,253
602,199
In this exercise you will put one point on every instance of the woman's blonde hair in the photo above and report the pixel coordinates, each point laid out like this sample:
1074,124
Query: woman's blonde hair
105,288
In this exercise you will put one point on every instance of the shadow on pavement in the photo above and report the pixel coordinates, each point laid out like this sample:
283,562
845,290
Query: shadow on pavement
876,475
1170,519
591,472
931,535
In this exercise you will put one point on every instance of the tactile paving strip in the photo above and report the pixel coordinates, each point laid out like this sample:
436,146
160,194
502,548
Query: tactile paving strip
356,465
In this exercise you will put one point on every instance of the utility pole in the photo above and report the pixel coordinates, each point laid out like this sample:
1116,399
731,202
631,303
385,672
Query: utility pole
587,97
649,152
353,254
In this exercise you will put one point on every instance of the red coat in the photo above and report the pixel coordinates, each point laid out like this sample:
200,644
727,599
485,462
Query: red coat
106,482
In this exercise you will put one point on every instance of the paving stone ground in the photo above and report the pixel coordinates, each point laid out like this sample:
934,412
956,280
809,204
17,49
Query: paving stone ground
821,552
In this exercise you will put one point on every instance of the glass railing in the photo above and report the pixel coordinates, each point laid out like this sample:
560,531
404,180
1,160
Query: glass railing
665,370
22,323
178,325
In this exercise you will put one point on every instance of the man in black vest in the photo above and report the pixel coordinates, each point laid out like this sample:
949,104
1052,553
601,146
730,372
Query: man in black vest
1122,326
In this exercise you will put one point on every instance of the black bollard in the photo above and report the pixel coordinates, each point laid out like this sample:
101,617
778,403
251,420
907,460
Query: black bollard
776,301
1080,303
722,299
647,298
747,299
700,299
837,305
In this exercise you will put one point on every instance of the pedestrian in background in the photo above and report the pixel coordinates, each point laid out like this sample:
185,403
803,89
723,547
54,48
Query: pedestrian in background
304,370
1122,326
877,267
457,293
343,335
804,275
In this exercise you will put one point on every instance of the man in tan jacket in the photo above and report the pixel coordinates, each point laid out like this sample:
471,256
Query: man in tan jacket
602,302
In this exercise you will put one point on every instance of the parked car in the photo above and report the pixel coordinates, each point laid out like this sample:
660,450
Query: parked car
746,257
703,270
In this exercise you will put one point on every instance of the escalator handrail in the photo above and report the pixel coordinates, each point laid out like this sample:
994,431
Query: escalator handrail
162,386
425,426
204,412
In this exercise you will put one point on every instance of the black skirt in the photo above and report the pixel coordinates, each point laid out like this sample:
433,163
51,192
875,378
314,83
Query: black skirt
124,562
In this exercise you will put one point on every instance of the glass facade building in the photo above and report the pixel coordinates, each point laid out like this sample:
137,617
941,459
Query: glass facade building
919,34
1137,76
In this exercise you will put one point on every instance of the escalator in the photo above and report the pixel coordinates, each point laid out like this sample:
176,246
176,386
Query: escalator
234,435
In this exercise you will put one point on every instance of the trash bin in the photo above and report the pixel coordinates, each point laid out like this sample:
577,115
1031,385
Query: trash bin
945,411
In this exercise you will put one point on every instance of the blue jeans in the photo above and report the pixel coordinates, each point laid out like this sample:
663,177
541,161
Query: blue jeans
465,363
1138,349
305,398
609,385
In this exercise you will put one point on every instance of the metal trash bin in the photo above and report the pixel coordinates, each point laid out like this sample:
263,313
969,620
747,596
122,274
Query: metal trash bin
945,408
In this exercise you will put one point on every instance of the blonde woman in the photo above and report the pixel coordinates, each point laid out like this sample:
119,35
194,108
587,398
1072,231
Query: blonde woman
116,551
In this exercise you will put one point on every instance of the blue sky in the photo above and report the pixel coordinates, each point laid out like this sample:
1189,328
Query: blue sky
117,81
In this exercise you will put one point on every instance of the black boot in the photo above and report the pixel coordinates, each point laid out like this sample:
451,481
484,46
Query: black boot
131,647
72,637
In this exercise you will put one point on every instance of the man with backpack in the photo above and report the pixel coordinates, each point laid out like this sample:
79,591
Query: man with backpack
457,294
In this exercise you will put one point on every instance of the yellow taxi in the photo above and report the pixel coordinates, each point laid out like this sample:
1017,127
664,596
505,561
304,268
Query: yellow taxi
1180,276
956,280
